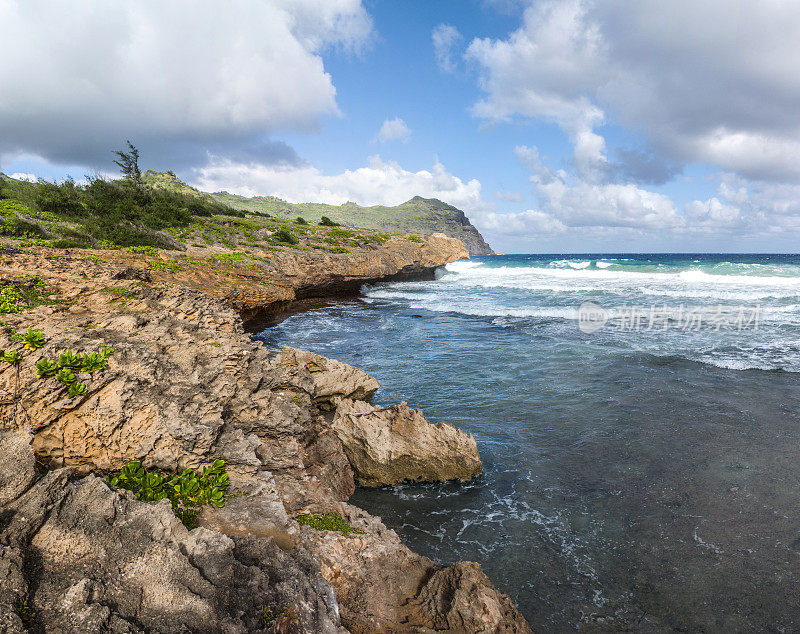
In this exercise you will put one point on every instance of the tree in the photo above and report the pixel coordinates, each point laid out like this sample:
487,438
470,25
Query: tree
129,163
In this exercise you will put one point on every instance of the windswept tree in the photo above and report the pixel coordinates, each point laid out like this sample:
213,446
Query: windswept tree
129,163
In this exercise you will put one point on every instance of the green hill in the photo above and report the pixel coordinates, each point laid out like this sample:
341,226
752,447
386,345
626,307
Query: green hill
418,215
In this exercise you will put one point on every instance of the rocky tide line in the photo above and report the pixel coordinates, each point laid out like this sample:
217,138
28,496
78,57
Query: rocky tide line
187,385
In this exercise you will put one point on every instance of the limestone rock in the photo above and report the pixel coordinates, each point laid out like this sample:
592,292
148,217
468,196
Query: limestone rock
390,445
462,599
383,587
326,380
87,558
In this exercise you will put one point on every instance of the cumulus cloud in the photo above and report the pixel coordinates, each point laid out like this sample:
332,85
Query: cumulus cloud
394,130
700,81
445,38
379,183
178,78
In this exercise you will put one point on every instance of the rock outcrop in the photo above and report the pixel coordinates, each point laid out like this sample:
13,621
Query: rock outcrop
384,587
391,445
187,385
77,556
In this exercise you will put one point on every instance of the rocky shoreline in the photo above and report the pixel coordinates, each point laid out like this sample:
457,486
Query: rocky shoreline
187,385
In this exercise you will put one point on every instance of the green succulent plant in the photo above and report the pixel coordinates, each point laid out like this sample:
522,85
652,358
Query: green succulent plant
66,376
13,357
76,389
45,368
187,492
70,360
33,339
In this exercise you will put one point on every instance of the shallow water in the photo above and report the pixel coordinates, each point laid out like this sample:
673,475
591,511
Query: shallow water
635,479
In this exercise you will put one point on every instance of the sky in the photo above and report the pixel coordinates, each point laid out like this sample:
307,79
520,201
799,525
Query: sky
556,125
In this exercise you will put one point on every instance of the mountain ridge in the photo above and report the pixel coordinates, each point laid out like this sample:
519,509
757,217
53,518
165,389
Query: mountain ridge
416,215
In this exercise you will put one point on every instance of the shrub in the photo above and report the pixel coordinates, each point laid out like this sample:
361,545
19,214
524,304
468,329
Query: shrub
327,222
301,221
187,492
285,236
327,522
415,239
62,200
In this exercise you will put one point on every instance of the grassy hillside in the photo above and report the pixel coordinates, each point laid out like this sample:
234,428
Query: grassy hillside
418,215
118,214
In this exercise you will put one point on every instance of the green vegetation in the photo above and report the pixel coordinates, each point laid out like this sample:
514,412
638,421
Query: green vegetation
415,239
26,613
285,236
24,294
64,370
121,291
147,212
327,522
281,621
298,400
188,492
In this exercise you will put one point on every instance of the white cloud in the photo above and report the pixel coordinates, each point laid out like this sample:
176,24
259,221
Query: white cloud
394,130
524,224
712,212
379,183
180,74
445,38
511,197
24,176
701,80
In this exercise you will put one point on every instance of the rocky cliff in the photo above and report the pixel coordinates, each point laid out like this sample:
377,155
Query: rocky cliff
185,385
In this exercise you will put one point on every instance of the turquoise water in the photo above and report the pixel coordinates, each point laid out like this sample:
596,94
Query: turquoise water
639,478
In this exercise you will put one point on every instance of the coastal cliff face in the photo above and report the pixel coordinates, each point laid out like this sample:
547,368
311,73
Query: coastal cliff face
185,385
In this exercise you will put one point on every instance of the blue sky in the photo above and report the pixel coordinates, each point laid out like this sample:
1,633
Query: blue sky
557,125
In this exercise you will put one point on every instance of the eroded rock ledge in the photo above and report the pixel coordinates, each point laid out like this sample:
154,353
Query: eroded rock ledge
185,385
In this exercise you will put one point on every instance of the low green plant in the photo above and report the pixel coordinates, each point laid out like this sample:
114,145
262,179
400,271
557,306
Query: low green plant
327,522
168,265
229,257
327,222
298,400
10,300
66,376
143,250
76,389
33,339
415,239
188,492
45,368
340,233
26,613
69,360
93,258
301,221
13,357
118,290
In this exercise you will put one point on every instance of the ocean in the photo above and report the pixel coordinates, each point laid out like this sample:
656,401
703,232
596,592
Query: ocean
638,417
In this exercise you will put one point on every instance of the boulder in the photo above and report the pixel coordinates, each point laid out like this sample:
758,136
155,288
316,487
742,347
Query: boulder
326,380
391,445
